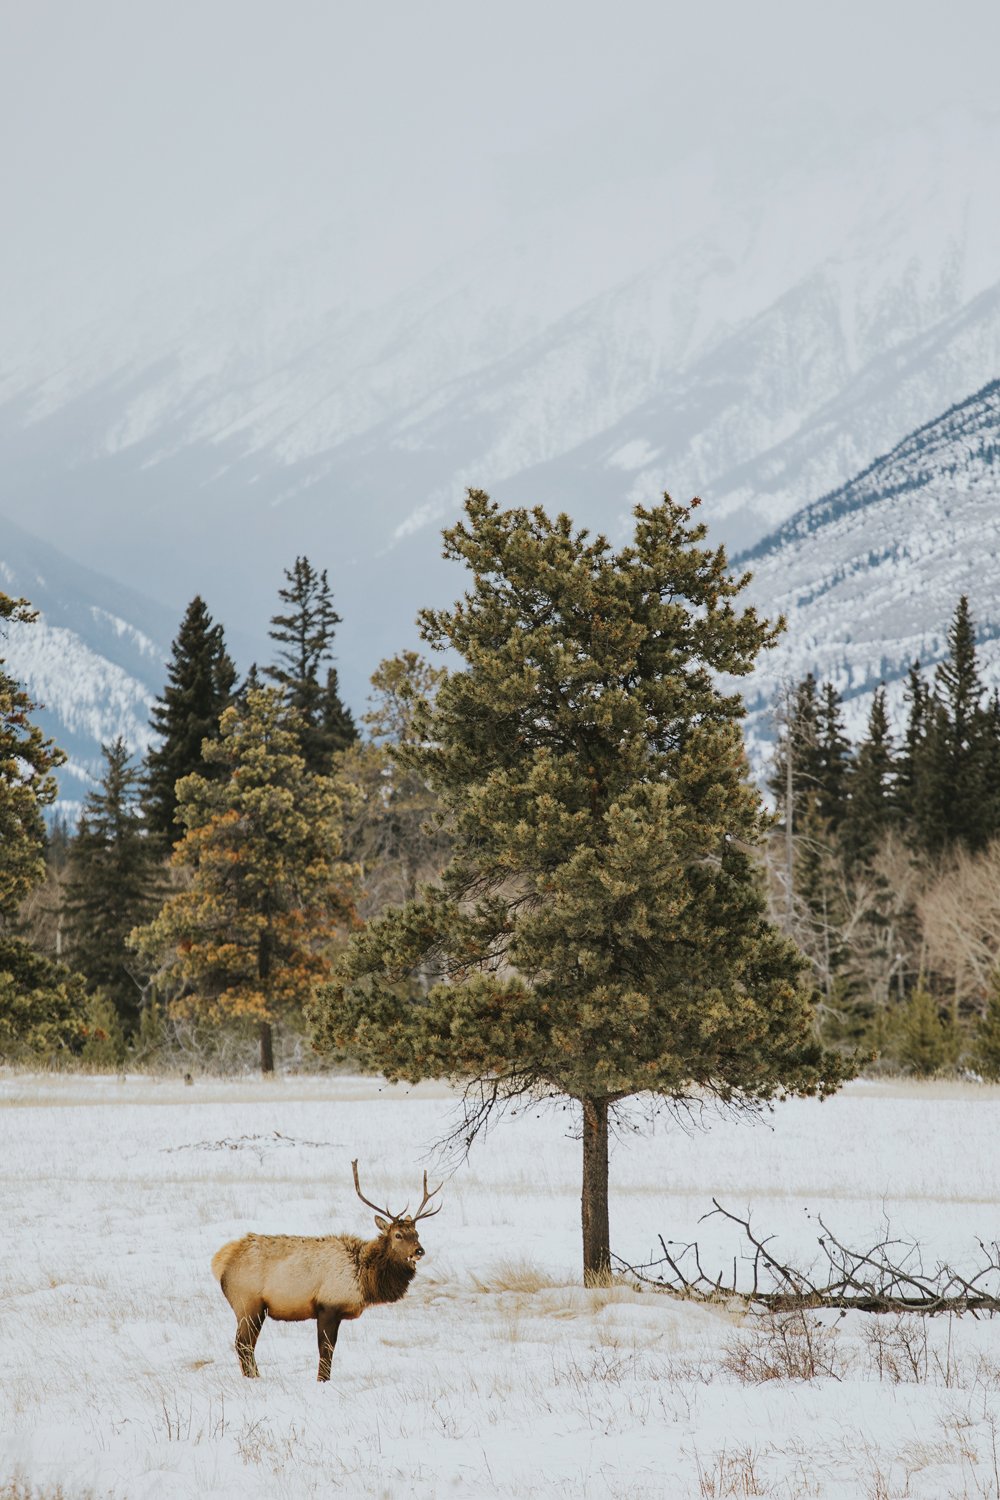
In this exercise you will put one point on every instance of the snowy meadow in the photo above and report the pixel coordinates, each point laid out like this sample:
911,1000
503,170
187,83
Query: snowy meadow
498,1374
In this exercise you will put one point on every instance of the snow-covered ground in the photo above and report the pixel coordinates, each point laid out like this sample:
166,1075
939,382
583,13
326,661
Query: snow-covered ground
497,1374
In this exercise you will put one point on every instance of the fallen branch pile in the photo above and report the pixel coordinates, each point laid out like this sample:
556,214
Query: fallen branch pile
888,1277
259,1144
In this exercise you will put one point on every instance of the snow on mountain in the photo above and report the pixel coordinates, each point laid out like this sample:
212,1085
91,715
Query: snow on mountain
868,577
93,660
755,335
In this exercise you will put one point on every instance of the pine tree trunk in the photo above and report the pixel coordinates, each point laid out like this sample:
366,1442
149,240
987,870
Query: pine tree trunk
594,1199
266,1048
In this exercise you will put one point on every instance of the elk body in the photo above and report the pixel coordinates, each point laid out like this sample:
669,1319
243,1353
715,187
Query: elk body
331,1278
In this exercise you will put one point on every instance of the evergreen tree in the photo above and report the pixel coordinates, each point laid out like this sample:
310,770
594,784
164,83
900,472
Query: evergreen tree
910,764
253,931
870,812
27,783
949,799
251,683
42,1005
958,742
816,773
200,679
337,728
113,885
924,1042
304,635
600,930
990,749
833,758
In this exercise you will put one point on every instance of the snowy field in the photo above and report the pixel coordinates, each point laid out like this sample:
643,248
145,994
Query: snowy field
497,1374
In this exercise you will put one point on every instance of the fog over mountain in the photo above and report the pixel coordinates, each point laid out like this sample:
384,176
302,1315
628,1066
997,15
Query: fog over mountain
290,285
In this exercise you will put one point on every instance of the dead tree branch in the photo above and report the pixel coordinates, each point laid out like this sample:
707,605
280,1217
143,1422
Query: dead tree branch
887,1277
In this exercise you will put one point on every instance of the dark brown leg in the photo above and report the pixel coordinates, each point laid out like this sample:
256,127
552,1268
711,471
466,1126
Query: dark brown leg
247,1333
327,1328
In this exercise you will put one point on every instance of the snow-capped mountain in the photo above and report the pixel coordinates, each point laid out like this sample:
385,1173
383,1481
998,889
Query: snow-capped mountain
868,577
94,658
755,334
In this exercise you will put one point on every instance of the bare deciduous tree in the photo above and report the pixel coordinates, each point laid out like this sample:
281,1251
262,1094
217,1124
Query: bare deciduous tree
960,915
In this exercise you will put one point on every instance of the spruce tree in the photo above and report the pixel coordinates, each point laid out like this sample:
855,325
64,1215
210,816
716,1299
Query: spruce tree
200,679
815,775
957,744
871,811
924,1042
113,884
337,728
990,767
304,635
267,896
909,768
42,1005
833,758
945,767
600,930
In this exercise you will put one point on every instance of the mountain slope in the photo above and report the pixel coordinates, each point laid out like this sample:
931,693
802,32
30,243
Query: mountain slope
756,339
94,659
868,576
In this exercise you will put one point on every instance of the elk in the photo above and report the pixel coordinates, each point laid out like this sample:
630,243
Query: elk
332,1277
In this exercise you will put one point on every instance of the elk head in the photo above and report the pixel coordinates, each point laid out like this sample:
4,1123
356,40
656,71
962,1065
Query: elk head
400,1230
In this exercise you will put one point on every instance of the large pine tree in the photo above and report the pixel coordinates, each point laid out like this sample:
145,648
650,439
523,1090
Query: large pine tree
304,636
113,884
200,679
254,929
600,930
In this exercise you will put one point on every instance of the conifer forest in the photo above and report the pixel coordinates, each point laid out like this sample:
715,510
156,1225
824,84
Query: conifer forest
542,872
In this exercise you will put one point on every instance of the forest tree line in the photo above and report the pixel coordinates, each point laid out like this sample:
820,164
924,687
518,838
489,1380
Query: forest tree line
884,863
537,875
205,889
206,892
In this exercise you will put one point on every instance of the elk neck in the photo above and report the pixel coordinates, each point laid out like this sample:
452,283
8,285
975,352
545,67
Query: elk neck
381,1277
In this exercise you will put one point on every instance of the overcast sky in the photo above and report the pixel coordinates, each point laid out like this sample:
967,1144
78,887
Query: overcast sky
136,134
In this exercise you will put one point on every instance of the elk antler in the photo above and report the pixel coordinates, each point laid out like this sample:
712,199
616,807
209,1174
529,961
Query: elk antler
420,1214
387,1212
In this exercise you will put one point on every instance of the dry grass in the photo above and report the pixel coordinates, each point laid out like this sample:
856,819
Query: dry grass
514,1276
17,1488
784,1346
731,1474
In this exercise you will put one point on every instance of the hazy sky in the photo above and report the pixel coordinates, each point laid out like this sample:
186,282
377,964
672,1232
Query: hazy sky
136,134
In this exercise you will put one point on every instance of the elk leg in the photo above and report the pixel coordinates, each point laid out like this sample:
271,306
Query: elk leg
247,1333
327,1328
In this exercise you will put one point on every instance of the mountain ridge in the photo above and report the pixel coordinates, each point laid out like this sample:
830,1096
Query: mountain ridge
869,575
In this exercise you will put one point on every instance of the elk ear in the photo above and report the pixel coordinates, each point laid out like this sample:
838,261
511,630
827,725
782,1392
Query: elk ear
382,1225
